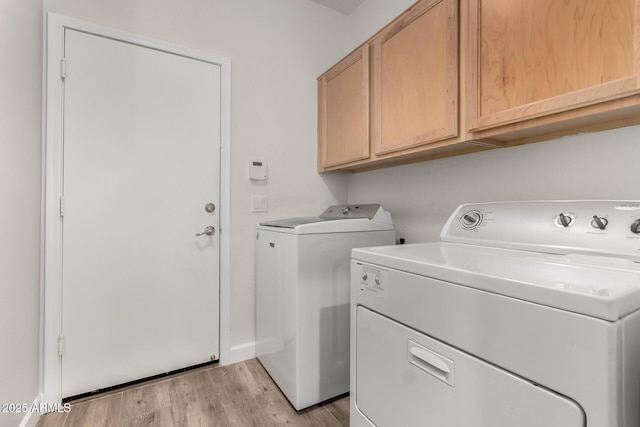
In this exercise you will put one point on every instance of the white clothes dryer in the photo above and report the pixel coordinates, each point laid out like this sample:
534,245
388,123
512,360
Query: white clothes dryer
524,314
302,297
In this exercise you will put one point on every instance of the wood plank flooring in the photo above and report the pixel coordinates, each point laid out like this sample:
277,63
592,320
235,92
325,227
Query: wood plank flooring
241,395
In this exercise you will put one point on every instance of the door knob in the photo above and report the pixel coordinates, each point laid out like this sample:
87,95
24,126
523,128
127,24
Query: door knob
208,230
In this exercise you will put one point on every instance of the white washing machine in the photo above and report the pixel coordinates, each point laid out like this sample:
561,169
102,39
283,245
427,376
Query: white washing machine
524,314
302,297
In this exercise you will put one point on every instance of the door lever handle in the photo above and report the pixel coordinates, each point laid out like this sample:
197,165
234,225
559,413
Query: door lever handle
208,230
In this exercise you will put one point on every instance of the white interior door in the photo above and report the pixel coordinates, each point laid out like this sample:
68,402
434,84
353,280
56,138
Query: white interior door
141,159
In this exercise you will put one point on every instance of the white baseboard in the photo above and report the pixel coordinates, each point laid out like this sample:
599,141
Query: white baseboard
240,353
31,417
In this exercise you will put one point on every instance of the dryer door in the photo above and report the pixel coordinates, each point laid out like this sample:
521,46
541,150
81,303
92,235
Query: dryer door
404,378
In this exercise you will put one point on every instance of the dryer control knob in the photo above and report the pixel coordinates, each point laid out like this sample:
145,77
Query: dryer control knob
599,222
364,276
635,227
470,220
564,220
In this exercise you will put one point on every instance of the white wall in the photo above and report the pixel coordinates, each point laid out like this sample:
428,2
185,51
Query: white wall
20,165
421,196
277,49
370,17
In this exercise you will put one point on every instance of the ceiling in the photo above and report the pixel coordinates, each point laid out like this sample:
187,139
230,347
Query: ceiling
344,6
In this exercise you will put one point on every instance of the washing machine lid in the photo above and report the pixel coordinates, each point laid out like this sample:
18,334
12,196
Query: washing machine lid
335,219
603,287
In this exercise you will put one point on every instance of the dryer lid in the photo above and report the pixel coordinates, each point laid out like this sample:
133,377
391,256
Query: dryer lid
601,287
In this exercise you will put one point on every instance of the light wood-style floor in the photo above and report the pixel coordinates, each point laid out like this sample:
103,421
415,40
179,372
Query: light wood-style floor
242,394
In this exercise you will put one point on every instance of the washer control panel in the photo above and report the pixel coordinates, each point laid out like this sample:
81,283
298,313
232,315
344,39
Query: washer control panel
594,227
350,211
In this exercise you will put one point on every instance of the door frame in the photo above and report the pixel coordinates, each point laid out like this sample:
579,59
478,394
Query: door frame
51,265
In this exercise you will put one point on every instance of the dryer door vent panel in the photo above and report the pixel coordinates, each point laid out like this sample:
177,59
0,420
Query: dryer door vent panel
437,385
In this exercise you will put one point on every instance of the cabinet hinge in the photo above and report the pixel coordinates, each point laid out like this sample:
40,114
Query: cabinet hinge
63,68
60,345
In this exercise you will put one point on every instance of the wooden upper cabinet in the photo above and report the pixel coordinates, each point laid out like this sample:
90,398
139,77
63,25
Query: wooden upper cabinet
532,70
415,78
343,111
531,60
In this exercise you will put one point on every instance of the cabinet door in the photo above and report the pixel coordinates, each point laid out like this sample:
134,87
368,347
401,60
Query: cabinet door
343,111
415,78
533,59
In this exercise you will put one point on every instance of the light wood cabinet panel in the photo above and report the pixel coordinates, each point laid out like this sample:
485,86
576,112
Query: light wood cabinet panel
415,78
531,71
548,65
343,111
413,102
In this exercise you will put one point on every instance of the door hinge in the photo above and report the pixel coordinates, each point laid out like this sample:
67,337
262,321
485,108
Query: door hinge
60,345
61,207
63,68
